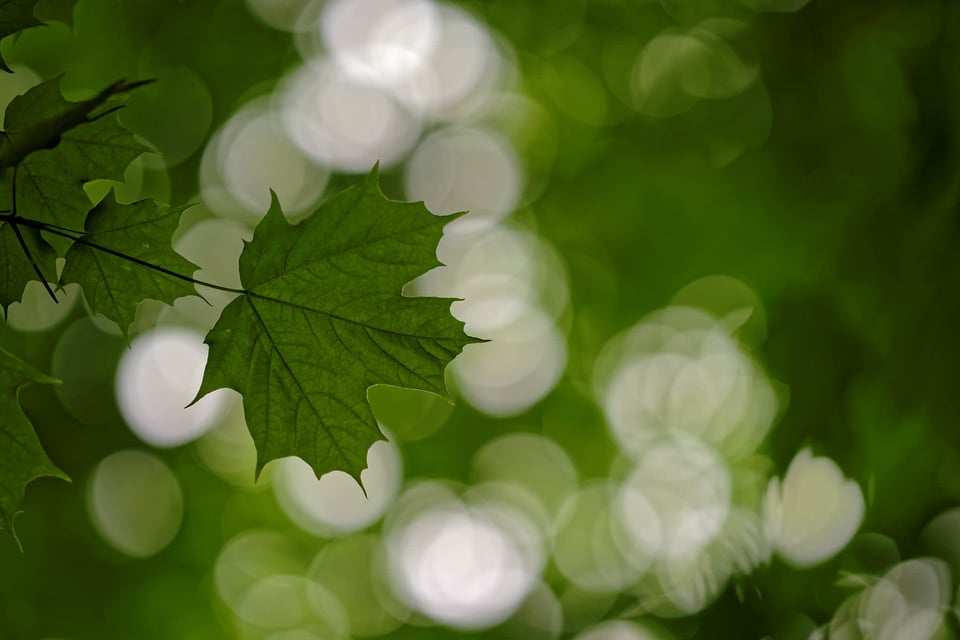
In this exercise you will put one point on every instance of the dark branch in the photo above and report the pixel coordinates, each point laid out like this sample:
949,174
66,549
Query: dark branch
13,222
82,239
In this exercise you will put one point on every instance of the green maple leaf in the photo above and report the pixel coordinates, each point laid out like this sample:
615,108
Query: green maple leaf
115,286
15,268
57,146
24,458
15,16
322,319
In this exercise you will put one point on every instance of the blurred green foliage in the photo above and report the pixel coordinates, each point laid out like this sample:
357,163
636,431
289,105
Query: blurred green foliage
830,186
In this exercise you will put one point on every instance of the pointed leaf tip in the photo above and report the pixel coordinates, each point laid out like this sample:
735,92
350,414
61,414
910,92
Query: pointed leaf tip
27,460
452,217
371,182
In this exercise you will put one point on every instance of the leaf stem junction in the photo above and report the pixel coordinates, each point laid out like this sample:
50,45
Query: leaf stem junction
80,237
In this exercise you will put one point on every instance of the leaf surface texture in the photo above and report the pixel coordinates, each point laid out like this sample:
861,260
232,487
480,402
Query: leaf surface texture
323,319
24,457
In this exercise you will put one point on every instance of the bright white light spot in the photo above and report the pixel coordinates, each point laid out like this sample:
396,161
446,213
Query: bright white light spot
36,310
335,504
589,542
156,380
259,158
676,500
460,567
691,583
228,449
617,630
516,369
743,540
459,169
384,41
678,68
415,499
436,60
251,155
498,272
906,603
352,568
458,72
814,513
249,558
514,511
941,537
658,73
275,602
215,246
530,461
687,583
678,371
343,123
735,306
540,617
291,602
725,74
513,285
135,502
492,301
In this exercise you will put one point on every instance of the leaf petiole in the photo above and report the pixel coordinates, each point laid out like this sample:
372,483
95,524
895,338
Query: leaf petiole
14,221
15,224
79,237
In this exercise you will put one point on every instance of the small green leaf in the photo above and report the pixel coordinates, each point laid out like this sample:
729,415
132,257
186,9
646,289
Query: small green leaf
15,268
57,146
24,458
115,286
27,116
36,119
15,16
323,319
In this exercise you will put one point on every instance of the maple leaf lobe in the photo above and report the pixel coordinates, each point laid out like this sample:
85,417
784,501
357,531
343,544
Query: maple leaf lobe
323,319
116,286
25,459
56,146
